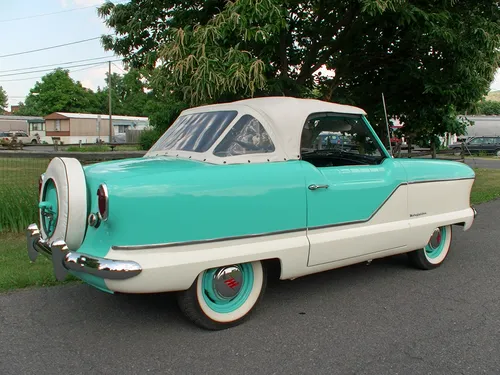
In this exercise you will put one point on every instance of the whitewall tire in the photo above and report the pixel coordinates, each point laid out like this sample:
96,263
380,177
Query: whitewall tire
225,296
436,250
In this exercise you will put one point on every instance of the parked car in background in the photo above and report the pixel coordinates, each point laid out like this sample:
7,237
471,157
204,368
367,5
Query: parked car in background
489,145
4,137
233,190
20,136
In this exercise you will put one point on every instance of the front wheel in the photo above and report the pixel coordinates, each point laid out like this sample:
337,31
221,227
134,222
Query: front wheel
224,297
435,252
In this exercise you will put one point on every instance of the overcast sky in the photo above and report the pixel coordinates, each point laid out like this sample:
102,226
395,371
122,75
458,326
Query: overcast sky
77,20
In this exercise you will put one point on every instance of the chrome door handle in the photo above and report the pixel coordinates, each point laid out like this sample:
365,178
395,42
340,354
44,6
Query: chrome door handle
314,187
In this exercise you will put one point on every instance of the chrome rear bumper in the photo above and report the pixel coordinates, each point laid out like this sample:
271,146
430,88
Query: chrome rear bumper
64,260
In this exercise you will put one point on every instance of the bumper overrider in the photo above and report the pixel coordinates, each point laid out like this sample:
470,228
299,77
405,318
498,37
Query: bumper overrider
64,260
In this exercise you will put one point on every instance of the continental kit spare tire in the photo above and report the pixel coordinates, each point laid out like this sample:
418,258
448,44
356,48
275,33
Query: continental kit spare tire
63,202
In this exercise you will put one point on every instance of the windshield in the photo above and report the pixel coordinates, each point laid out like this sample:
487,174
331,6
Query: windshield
195,132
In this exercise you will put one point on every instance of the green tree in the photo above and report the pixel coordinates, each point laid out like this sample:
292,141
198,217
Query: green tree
3,100
57,92
431,59
127,93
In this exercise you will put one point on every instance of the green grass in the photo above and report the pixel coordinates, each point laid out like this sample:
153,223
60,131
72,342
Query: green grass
96,148
487,185
19,192
16,270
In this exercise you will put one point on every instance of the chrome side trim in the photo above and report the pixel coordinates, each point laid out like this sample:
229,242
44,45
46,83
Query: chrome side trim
197,242
64,260
242,237
440,180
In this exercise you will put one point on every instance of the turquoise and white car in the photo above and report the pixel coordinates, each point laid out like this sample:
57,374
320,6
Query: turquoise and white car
233,189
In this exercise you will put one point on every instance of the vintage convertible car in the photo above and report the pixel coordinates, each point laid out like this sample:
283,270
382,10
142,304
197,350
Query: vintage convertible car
233,189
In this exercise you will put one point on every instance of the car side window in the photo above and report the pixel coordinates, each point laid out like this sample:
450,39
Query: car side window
333,140
491,141
247,136
477,141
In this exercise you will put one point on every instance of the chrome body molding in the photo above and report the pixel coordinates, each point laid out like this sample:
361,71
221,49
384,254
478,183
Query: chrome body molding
209,240
440,180
64,260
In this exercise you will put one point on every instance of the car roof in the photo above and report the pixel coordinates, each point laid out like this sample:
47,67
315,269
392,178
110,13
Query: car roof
286,117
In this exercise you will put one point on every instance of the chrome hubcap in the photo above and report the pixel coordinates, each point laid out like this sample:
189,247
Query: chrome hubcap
227,282
435,240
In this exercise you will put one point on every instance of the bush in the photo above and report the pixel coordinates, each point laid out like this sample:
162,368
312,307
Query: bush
487,108
148,137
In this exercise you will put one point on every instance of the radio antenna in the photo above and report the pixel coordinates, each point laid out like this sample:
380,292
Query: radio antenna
387,124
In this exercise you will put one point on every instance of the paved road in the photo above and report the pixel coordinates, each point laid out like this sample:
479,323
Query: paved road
384,318
483,163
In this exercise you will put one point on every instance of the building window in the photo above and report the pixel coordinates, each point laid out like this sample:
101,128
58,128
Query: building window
58,125
37,126
122,128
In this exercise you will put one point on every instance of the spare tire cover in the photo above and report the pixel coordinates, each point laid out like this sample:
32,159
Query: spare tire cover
64,183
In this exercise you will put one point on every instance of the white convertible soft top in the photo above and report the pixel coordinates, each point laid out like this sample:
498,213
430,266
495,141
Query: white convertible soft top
283,118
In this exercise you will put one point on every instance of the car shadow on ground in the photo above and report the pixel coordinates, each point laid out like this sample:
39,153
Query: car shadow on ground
163,307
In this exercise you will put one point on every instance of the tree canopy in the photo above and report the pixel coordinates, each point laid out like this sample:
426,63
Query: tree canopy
431,59
3,100
58,92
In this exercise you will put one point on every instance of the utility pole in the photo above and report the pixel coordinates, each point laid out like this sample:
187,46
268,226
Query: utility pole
109,103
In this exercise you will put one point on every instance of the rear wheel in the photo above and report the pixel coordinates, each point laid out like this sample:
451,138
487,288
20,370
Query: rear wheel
435,252
224,297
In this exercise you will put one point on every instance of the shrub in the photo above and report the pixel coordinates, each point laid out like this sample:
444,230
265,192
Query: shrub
148,138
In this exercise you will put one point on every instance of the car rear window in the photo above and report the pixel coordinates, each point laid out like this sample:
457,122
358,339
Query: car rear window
195,132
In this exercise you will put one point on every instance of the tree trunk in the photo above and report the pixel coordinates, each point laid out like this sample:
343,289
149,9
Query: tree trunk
433,149
409,147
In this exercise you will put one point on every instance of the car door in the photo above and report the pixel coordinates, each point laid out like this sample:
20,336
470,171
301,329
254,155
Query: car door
22,137
356,200
490,145
476,144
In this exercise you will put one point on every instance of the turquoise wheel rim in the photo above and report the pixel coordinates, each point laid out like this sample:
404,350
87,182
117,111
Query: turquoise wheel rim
49,207
436,243
224,304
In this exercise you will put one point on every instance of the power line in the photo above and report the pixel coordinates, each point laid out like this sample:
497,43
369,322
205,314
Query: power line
64,63
52,13
38,77
51,47
46,70
119,68
45,14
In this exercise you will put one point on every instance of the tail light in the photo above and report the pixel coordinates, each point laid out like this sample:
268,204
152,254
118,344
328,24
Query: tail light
103,202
